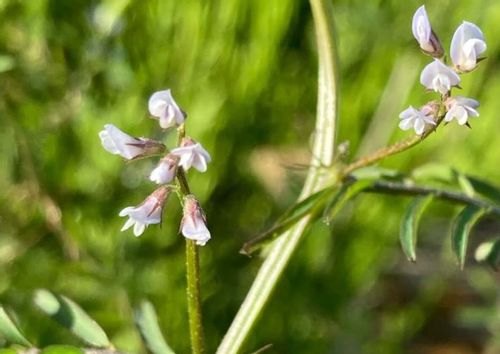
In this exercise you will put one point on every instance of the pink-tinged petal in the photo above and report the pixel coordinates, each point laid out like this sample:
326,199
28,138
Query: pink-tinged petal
162,105
193,224
165,170
147,213
195,229
428,120
117,142
192,154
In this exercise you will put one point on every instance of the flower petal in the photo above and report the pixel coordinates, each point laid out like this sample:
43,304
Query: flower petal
128,224
419,126
406,124
139,229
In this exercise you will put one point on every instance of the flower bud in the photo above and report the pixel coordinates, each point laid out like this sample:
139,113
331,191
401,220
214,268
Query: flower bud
425,36
193,224
466,46
193,154
119,143
146,213
164,108
165,170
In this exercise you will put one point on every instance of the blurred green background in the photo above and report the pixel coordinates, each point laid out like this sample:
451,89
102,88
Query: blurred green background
245,72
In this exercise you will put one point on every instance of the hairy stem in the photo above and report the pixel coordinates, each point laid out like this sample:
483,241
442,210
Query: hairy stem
192,270
390,150
323,149
193,297
408,189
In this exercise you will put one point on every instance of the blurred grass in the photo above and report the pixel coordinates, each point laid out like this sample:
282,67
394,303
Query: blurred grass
246,74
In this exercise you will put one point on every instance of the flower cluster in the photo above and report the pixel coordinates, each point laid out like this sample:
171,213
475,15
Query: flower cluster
172,164
467,45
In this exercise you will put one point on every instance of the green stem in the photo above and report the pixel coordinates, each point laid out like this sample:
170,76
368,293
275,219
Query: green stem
193,297
390,150
405,189
323,151
192,270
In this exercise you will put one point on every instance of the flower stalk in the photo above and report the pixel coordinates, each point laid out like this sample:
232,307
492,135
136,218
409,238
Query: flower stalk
193,292
390,150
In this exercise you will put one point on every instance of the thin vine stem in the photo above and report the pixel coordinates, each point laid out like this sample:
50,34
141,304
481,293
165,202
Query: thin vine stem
390,150
408,189
323,152
193,292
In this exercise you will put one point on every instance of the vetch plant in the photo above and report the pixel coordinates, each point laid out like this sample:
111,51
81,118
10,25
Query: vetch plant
171,167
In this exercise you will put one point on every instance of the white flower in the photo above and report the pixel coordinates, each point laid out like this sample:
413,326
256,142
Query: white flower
466,46
149,212
119,143
416,119
193,224
165,170
193,154
438,77
163,106
461,108
423,33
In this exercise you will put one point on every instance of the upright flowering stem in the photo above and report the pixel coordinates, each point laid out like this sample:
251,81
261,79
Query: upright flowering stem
192,271
193,297
323,149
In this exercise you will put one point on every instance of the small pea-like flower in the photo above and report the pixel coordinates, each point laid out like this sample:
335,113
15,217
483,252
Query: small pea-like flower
117,142
416,119
425,36
165,170
194,222
147,213
193,154
466,46
461,108
438,77
163,106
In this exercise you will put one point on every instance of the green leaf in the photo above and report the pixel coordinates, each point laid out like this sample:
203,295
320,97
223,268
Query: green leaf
485,188
409,225
461,229
465,184
293,215
10,331
147,323
68,314
435,172
346,192
61,349
489,252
